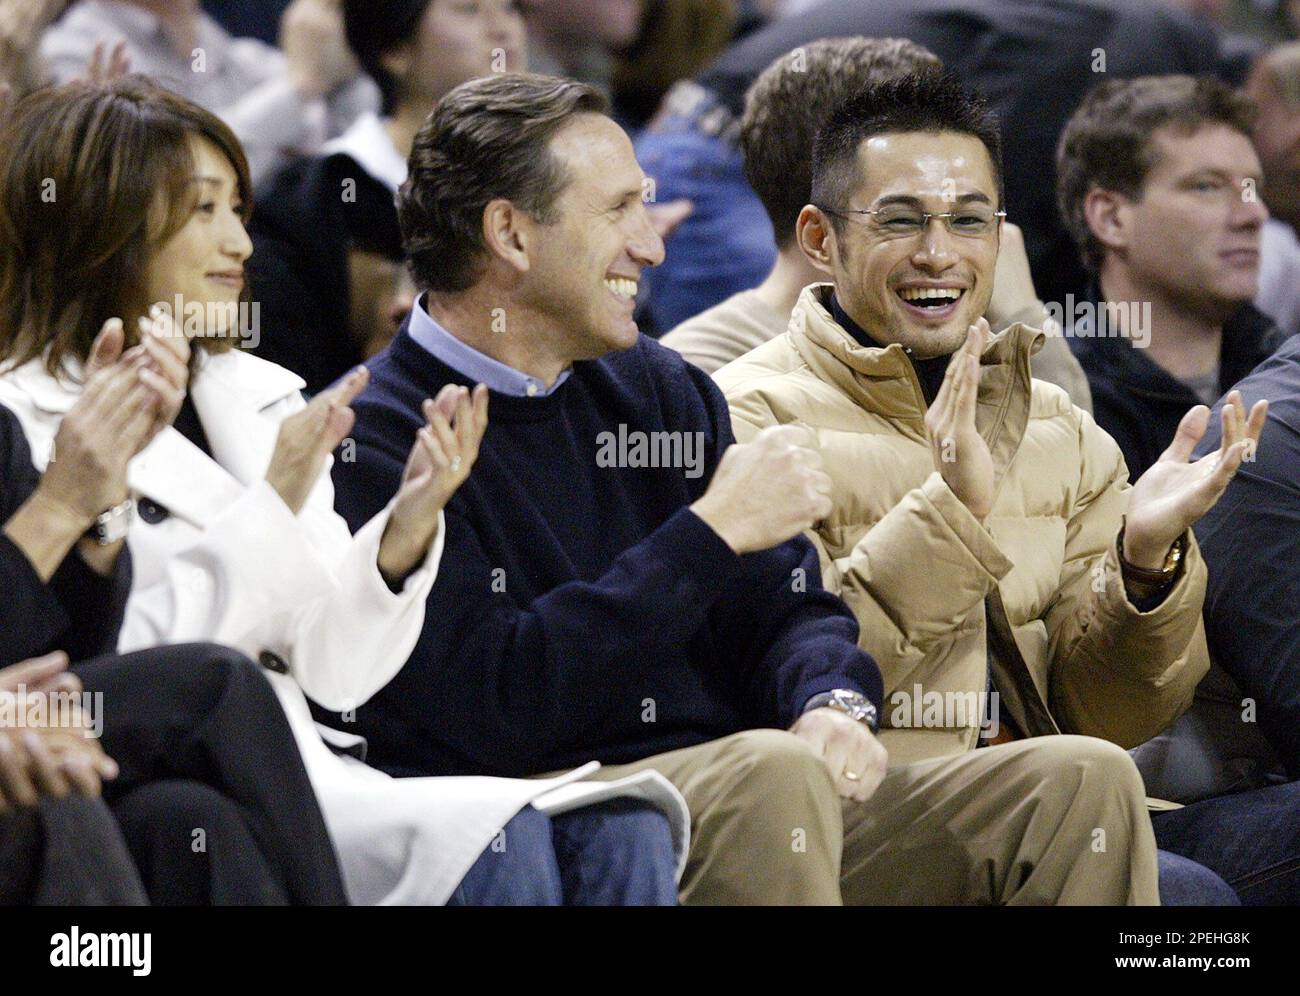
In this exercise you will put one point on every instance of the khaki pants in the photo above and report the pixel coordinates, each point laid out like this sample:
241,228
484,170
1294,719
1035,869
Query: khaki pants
1055,819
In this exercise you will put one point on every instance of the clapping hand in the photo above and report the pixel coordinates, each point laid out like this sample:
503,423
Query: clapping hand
960,454
308,437
1174,493
439,462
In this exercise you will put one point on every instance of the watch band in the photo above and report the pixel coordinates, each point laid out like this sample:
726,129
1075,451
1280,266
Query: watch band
853,704
112,525
1146,576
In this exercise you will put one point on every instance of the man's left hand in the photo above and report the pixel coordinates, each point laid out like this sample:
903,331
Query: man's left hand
1173,494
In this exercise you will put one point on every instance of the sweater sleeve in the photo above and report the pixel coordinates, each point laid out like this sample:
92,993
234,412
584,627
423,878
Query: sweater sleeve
96,603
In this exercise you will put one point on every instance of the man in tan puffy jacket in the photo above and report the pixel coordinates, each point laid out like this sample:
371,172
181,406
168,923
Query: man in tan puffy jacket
1005,576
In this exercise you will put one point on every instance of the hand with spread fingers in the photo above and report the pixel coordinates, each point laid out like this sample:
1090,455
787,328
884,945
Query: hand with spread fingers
308,437
960,453
440,461
1174,493
107,62
854,757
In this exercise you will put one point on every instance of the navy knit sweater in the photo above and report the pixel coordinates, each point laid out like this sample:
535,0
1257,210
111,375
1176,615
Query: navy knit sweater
582,610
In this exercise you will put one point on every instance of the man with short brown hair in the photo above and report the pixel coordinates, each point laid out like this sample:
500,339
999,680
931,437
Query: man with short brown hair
1160,186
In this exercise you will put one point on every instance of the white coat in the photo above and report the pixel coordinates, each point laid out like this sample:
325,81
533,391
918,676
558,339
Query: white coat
226,561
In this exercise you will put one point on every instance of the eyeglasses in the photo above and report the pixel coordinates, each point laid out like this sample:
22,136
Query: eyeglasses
897,221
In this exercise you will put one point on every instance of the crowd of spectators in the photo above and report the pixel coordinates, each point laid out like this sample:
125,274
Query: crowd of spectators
631,452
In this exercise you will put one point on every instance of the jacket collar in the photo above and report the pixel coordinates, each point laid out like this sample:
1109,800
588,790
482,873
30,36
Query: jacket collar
230,392
881,379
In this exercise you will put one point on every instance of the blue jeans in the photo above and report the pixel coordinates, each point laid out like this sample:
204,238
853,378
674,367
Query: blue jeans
1251,839
617,853
725,246
1185,883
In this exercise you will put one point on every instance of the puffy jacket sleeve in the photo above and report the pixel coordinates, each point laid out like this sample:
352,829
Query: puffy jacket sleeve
1117,672
260,578
901,615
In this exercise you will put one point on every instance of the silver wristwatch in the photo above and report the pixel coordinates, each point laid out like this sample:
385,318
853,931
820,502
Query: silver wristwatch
112,525
851,703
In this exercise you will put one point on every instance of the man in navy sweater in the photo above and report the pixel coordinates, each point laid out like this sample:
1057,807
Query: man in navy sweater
621,581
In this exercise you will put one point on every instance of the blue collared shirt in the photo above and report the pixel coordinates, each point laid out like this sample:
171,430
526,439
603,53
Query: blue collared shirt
470,363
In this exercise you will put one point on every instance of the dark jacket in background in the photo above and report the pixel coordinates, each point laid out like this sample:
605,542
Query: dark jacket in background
1251,544
1141,404
303,228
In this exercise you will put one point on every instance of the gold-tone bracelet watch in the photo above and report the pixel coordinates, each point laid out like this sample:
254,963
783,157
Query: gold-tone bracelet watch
1149,581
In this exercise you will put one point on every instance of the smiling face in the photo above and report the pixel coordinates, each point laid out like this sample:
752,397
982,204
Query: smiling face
921,289
203,262
458,40
584,269
1193,234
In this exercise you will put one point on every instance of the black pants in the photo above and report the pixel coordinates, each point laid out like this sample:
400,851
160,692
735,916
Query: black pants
212,798
65,852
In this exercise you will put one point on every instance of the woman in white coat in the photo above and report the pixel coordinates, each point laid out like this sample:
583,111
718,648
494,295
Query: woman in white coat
122,200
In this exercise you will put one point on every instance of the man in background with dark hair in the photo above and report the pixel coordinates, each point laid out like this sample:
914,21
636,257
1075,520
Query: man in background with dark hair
621,581
327,269
983,529
1033,61
1159,185
784,109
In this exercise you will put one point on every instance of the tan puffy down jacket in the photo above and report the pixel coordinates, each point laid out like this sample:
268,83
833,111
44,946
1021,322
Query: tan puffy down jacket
915,565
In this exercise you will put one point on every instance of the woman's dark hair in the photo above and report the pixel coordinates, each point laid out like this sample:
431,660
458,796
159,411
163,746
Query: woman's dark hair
376,27
95,178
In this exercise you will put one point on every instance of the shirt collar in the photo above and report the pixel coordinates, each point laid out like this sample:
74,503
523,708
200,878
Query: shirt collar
367,143
470,363
128,17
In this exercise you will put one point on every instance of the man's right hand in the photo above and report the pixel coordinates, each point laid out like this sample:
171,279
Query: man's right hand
315,45
960,454
766,491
